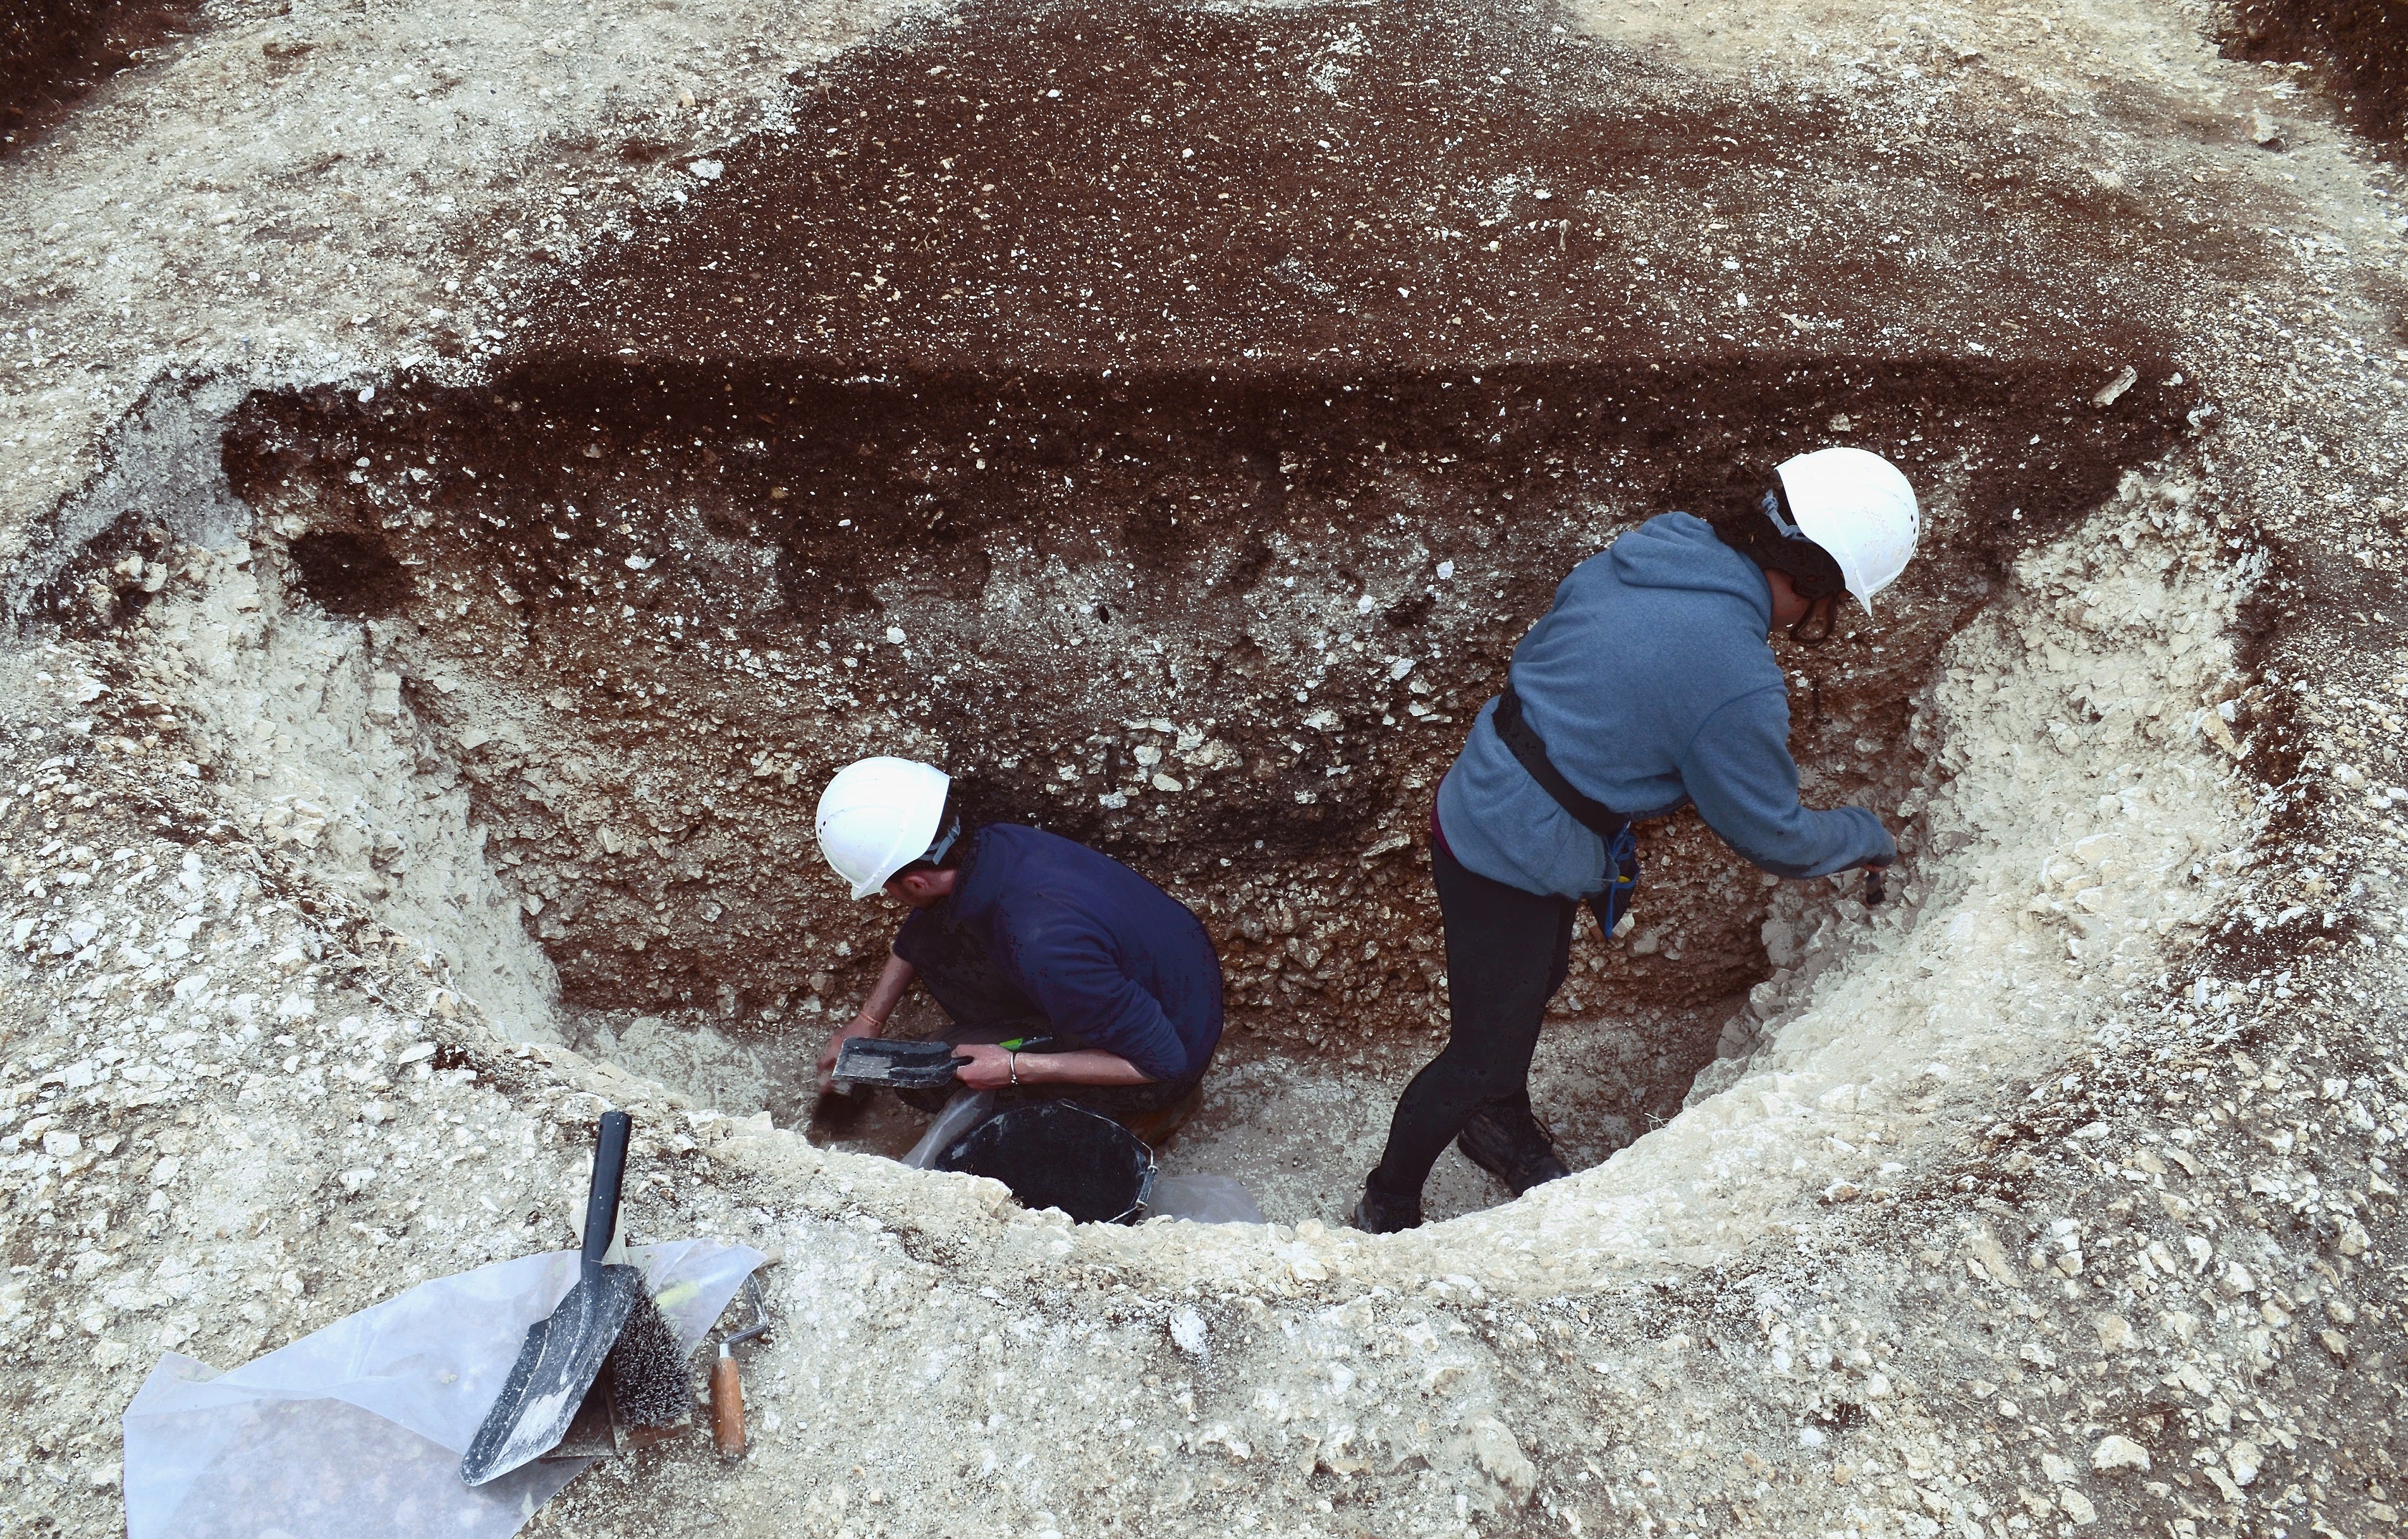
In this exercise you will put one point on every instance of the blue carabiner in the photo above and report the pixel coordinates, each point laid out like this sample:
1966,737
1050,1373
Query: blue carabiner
1621,879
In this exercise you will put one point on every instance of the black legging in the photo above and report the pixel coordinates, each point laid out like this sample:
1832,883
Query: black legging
1507,953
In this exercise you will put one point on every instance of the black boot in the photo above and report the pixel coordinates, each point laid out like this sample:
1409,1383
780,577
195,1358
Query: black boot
1378,1212
1507,1142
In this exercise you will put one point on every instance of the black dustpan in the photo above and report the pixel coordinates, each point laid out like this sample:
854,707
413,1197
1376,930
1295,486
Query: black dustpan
561,1355
897,1065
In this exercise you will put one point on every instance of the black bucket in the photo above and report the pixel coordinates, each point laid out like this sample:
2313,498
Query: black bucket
1059,1154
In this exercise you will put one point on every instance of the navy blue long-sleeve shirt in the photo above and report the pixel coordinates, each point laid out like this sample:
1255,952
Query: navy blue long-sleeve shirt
1073,935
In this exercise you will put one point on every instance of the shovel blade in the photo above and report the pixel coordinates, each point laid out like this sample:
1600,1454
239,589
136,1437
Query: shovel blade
555,1367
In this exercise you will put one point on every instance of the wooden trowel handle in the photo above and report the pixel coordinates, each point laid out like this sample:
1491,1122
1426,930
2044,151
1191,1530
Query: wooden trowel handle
726,1405
609,1173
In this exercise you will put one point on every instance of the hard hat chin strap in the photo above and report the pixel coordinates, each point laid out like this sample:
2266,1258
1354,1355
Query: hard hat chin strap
945,838
1810,567
1776,507
1827,607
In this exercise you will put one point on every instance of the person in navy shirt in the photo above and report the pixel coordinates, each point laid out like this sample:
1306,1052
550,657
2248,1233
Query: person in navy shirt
1021,935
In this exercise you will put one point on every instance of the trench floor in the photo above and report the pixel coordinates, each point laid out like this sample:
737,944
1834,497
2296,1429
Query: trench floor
1299,1132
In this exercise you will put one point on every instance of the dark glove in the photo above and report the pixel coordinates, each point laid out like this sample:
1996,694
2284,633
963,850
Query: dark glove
1876,881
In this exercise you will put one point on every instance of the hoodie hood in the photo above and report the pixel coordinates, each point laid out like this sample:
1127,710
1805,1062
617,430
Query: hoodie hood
1681,550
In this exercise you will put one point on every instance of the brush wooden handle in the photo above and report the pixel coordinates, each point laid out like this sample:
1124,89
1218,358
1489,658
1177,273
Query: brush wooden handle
727,1406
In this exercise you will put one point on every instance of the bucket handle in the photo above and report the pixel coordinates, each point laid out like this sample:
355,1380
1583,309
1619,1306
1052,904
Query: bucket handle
1144,1186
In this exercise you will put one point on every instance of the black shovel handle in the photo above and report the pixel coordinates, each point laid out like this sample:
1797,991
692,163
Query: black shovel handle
610,1174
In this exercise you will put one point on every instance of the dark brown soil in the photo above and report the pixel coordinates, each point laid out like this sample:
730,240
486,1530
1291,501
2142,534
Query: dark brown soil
52,52
2360,48
1273,538
350,572
1068,188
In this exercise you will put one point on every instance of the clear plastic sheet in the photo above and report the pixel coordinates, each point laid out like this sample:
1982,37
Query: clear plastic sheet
1202,1198
964,1111
355,1431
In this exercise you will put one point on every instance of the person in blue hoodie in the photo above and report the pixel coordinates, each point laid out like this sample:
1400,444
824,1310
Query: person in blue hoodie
1649,685
1023,935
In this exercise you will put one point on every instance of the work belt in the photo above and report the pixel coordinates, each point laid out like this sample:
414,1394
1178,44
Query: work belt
1621,846
1531,749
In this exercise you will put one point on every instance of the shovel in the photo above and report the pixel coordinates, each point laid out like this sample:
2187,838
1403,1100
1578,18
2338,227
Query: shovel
561,1355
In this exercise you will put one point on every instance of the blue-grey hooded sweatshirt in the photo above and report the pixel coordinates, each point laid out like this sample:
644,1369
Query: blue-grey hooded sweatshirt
1652,685
1073,935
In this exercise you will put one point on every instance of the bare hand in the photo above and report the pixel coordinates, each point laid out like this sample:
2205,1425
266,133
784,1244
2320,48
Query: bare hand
989,1067
857,1026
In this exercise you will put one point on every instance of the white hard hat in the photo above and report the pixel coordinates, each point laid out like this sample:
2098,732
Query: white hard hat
1858,506
878,816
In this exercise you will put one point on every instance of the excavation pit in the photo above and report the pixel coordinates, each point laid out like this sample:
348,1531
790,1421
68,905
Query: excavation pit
1228,629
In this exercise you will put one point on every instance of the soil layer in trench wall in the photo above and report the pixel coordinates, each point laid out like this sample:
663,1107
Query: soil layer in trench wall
907,435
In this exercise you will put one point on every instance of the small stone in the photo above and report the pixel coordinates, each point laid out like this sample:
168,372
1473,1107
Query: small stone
2335,1342
1493,1444
384,697
1187,1333
2244,1460
110,1354
707,170
59,1144
2058,1469
2235,1281
2077,1506
2118,1452
2264,131
2114,1333
414,1052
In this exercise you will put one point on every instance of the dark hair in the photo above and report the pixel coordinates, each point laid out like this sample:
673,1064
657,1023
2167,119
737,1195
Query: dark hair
1766,535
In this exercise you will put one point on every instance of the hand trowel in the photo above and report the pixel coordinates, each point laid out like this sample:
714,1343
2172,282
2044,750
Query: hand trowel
563,1352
